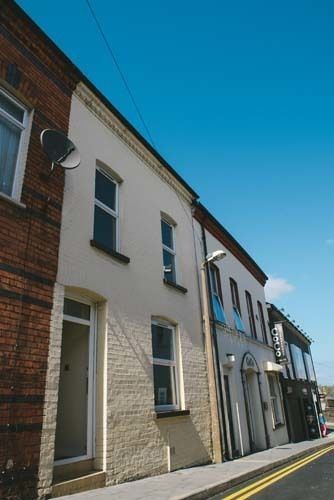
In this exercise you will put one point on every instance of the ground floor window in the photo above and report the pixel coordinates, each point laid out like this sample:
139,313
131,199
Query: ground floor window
165,373
275,400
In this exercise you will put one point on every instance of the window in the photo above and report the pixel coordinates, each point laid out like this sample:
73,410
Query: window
275,401
217,298
298,362
13,122
165,375
168,251
106,210
309,367
262,322
251,314
236,306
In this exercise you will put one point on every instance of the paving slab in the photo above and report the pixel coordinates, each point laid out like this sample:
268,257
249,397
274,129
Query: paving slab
198,483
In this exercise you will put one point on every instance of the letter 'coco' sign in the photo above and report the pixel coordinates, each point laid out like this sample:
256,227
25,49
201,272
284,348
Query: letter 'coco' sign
278,343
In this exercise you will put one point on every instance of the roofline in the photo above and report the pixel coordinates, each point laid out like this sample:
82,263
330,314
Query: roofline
278,311
104,100
202,215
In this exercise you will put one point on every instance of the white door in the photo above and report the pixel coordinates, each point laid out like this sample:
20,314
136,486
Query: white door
75,414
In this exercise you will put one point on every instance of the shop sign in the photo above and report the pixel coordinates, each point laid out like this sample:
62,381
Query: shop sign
278,343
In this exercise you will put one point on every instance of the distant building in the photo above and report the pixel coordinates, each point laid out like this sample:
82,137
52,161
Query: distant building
298,379
253,411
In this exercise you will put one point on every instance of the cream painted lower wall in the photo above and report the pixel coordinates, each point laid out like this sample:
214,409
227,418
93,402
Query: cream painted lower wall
130,441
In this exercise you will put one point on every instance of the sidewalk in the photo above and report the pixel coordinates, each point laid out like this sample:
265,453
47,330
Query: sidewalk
202,482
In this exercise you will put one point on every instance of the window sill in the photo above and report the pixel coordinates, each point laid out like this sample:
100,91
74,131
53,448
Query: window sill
11,200
117,256
175,285
172,414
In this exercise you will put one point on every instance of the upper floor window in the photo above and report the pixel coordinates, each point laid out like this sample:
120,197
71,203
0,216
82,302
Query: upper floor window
165,373
168,250
309,367
251,314
298,362
217,297
262,322
106,210
13,122
239,325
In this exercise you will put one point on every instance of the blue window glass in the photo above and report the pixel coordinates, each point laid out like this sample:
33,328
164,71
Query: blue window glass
218,309
237,320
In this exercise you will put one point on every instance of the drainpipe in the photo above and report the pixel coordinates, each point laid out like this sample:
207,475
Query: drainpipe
213,357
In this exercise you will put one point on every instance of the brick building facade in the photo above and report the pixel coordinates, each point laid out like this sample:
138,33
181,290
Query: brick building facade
36,84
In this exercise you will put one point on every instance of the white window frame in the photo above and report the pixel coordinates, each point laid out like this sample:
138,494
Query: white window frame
91,400
275,399
24,129
172,363
108,210
170,250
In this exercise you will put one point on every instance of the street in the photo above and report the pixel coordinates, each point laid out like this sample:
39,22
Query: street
308,478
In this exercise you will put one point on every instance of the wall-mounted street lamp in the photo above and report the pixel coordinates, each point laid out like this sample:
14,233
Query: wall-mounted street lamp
214,256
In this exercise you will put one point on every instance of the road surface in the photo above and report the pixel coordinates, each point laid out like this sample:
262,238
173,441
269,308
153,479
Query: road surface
309,478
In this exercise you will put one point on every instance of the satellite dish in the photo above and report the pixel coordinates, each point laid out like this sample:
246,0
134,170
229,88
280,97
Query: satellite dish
60,149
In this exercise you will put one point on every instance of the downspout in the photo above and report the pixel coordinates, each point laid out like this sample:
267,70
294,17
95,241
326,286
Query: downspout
213,331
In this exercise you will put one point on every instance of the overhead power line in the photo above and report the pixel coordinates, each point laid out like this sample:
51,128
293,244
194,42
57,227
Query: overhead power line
112,54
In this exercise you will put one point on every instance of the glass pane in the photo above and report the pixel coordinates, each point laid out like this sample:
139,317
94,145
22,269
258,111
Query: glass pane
104,228
272,385
167,234
9,145
105,190
164,385
213,280
169,266
218,309
238,321
72,414
298,361
77,309
162,342
11,108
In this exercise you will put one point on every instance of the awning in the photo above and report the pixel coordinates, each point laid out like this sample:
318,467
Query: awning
270,366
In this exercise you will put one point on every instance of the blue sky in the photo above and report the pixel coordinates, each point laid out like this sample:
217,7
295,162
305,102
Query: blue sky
239,98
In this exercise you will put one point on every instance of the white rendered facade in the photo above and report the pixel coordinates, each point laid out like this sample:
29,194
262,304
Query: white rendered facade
252,399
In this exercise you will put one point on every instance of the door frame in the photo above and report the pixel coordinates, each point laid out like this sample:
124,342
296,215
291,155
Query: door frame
91,399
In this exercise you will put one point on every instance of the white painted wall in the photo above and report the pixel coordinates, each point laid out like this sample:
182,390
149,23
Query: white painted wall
231,341
131,442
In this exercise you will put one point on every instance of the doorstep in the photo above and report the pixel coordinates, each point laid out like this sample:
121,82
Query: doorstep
90,481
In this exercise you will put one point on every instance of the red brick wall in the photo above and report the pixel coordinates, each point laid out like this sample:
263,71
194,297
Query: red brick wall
29,240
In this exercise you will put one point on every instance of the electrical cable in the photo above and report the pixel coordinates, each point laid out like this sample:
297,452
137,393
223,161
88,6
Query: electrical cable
112,54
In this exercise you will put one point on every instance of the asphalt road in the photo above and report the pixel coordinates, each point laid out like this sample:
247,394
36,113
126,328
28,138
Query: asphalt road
313,481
